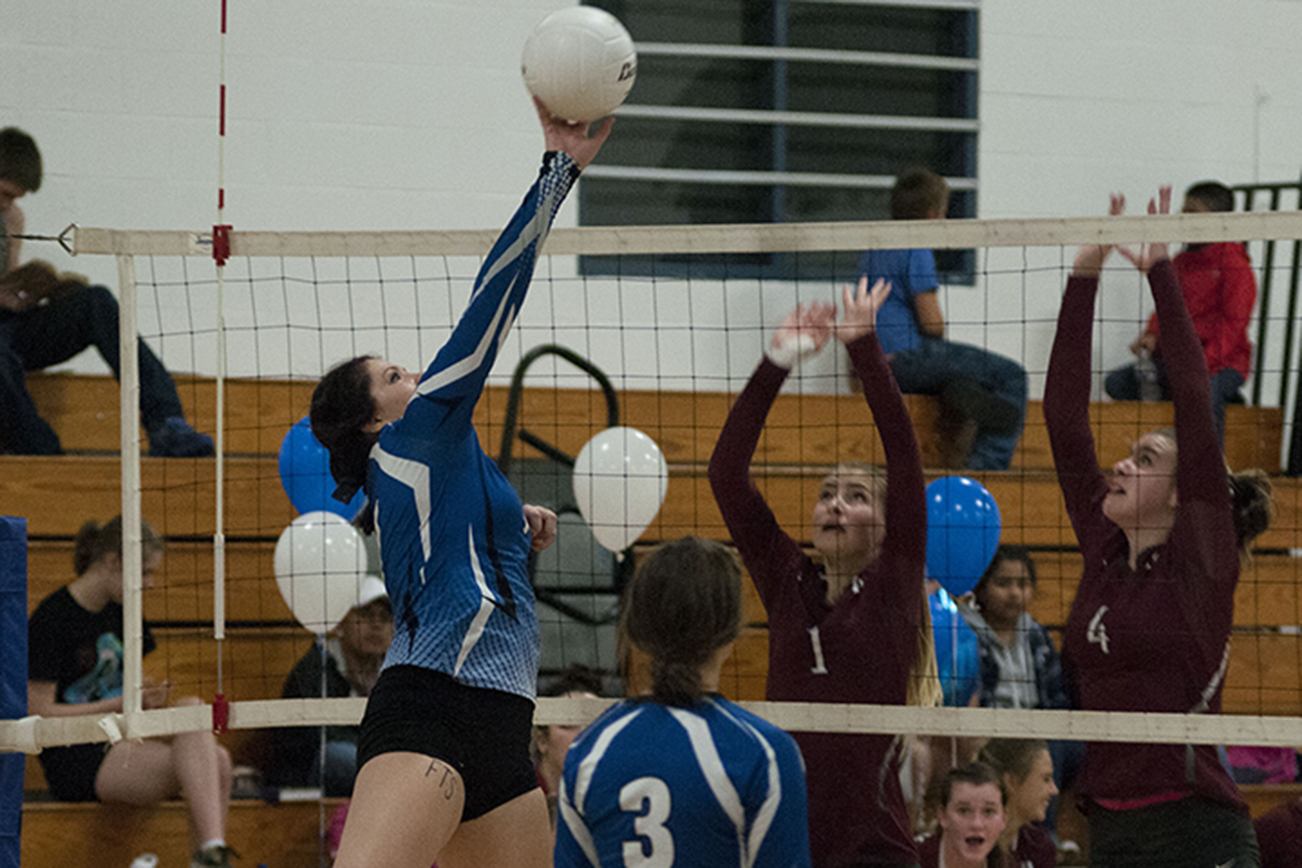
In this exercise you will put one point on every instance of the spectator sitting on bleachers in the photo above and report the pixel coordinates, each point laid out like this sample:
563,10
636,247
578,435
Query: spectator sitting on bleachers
75,667
47,318
982,393
345,664
1020,668
1219,290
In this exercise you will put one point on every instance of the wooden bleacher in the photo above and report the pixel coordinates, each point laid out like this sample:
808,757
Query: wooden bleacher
75,835
805,434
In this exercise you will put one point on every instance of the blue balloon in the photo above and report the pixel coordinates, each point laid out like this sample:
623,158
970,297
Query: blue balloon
957,657
963,526
305,474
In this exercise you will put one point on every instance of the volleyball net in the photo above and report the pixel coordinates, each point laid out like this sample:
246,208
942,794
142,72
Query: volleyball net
649,328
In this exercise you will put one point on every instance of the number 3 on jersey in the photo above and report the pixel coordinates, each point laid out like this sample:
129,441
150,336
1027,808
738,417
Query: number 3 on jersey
649,799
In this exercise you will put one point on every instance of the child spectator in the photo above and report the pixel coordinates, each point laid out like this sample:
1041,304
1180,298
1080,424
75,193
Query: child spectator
1219,290
46,319
978,389
75,667
972,817
346,664
1020,668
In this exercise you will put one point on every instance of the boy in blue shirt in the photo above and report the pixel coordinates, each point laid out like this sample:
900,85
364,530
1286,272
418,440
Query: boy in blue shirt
979,390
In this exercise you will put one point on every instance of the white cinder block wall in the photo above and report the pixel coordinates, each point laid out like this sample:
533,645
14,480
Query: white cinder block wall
411,114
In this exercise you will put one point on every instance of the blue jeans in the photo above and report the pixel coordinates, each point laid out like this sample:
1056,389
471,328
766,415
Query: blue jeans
1122,384
53,333
926,370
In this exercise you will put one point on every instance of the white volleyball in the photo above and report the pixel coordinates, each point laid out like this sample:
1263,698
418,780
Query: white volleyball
580,61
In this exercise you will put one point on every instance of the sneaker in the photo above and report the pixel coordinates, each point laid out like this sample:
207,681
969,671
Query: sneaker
213,857
176,439
968,398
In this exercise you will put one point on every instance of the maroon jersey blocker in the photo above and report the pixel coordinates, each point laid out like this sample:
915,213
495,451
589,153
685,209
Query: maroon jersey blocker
1154,638
859,650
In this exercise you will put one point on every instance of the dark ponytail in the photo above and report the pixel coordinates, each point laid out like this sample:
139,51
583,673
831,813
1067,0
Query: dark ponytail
682,605
1250,496
342,408
96,541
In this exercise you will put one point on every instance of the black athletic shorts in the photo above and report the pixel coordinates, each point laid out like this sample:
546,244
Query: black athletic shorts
484,734
71,771
1190,833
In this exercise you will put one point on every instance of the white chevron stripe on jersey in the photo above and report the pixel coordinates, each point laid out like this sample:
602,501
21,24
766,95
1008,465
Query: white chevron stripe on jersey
583,779
707,756
769,809
415,476
579,829
486,604
535,229
471,363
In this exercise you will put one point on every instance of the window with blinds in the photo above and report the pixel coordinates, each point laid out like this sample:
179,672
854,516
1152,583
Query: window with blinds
787,110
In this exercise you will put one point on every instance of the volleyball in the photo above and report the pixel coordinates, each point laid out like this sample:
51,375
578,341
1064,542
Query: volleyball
580,62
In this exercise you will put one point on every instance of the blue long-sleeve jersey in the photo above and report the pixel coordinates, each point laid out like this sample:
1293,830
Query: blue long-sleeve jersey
453,540
711,785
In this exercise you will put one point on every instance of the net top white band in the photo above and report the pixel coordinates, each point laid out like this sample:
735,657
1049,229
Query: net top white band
31,734
719,238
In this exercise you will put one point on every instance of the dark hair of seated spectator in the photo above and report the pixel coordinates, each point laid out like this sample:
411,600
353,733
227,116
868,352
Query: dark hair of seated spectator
973,814
20,160
346,663
75,653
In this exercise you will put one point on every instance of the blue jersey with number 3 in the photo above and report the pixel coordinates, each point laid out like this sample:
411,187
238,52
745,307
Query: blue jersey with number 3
653,785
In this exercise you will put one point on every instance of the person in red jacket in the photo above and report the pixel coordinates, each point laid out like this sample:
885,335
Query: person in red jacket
1161,537
851,627
1219,291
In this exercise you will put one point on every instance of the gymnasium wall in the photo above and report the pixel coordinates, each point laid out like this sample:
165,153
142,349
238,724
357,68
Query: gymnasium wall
411,114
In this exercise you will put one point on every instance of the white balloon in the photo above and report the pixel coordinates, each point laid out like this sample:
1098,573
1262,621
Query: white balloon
620,479
320,564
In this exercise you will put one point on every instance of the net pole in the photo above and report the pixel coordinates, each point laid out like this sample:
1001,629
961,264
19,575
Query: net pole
129,409
219,524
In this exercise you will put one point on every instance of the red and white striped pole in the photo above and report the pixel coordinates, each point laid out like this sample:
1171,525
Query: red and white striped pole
221,250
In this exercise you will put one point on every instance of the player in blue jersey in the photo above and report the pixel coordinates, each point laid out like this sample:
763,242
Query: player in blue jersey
683,777
443,754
